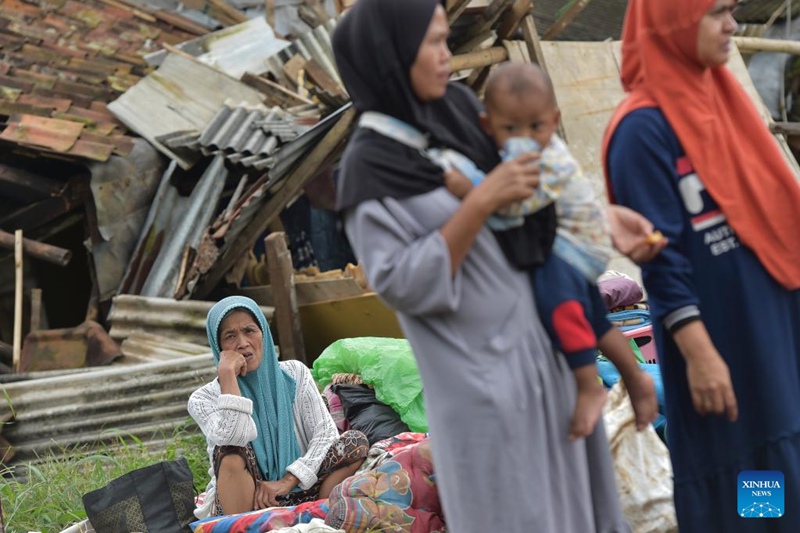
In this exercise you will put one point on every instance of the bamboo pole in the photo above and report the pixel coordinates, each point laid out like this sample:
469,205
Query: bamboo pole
480,58
17,300
39,250
759,44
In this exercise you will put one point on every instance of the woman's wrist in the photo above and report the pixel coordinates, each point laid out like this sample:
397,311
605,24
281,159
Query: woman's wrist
478,203
290,480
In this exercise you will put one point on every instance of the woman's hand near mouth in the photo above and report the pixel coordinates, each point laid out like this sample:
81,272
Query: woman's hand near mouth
231,365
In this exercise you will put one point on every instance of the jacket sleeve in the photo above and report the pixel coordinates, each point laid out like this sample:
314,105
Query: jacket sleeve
225,419
408,268
317,423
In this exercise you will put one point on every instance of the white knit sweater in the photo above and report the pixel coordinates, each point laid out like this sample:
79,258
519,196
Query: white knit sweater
226,420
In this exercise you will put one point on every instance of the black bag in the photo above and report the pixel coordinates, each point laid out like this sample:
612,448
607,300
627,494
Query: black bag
155,499
365,413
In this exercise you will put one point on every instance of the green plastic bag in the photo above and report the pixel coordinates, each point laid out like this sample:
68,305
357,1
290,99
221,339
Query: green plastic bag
387,365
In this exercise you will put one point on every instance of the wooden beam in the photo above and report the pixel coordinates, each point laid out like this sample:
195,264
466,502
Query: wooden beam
327,149
531,37
455,8
36,309
564,20
513,17
287,317
38,250
17,300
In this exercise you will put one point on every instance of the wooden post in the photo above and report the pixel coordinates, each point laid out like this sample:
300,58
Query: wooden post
563,21
270,8
39,250
281,278
36,309
17,300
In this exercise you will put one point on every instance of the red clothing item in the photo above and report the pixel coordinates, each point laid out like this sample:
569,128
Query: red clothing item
724,137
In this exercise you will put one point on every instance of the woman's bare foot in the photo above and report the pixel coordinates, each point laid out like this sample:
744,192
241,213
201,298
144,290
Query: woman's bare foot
588,410
642,392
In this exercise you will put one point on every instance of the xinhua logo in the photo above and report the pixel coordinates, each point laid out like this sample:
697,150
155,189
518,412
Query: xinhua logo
761,494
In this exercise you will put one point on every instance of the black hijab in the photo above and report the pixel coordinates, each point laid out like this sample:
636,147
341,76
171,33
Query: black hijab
375,44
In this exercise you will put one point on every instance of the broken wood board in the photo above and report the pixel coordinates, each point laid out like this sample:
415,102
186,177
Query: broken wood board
362,316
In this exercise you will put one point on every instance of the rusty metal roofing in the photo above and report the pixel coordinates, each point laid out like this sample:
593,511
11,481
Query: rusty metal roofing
61,62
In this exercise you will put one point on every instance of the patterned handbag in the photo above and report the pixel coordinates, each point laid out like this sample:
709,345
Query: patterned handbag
155,499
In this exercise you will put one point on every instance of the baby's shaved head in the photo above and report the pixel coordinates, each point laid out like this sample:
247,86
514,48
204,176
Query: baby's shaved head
518,79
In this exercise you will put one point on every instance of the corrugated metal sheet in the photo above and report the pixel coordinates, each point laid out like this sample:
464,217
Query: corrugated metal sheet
243,135
174,223
245,210
314,44
234,50
183,320
146,347
146,401
183,95
122,189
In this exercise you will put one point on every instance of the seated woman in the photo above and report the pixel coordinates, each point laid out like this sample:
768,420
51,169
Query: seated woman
271,440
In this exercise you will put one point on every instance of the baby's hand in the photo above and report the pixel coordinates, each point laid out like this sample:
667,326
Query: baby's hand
457,183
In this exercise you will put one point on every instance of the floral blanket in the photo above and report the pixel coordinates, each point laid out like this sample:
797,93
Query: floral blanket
398,495
264,519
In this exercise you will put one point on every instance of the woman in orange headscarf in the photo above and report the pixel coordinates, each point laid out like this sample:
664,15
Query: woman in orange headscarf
688,149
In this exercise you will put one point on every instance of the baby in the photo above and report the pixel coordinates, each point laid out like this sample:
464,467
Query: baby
521,115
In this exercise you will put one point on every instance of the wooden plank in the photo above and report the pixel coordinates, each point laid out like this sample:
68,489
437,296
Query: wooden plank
565,19
278,93
361,316
292,68
322,79
309,292
329,147
287,317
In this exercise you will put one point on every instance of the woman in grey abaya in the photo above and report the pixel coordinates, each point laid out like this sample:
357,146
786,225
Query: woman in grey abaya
498,398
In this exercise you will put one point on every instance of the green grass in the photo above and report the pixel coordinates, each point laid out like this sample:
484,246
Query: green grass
48,498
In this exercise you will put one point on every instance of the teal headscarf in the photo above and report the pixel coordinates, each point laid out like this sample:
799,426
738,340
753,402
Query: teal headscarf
269,387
